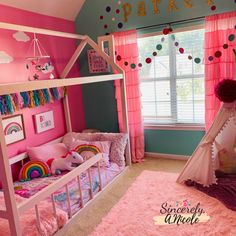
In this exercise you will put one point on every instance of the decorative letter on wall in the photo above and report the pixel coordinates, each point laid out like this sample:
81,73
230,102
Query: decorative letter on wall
127,11
155,8
188,4
13,129
172,6
44,121
141,9
210,2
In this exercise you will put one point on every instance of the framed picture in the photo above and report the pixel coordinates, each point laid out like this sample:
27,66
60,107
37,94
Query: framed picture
13,128
44,121
96,63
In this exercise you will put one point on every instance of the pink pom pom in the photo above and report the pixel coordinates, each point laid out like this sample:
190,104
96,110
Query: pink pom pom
225,90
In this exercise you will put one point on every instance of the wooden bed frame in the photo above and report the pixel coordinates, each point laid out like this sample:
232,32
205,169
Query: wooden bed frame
13,211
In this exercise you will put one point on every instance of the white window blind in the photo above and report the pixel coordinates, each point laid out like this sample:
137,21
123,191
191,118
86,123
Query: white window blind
172,85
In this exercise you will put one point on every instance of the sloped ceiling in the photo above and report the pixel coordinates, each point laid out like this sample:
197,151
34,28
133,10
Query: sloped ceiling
65,9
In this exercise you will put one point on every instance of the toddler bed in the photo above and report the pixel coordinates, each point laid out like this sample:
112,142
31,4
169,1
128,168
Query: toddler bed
82,183
62,188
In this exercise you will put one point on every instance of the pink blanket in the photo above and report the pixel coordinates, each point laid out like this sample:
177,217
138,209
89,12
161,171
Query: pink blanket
28,219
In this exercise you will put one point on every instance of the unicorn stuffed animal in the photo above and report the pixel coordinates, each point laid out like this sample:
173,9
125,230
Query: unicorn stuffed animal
65,162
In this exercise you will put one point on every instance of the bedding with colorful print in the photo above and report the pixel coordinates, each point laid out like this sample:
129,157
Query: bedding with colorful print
29,188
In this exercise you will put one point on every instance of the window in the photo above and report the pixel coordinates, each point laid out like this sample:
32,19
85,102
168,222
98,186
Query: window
172,85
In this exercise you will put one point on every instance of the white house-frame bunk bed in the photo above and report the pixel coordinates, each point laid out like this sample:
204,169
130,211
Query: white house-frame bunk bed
13,211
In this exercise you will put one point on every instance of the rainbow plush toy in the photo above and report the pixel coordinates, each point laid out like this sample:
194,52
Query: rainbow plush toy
87,148
34,169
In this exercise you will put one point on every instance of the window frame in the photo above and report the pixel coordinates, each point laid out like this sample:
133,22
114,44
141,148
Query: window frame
173,126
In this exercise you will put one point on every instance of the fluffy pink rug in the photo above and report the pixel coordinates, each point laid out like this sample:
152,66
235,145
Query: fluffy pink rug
135,212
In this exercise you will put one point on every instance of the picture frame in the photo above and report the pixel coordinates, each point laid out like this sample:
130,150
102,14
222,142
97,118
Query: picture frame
44,121
13,127
96,63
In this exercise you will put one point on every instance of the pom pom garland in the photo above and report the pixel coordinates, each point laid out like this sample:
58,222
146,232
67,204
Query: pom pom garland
225,90
13,102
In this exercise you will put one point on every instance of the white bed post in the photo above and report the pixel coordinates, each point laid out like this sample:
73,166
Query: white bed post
110,40
63,75
8,189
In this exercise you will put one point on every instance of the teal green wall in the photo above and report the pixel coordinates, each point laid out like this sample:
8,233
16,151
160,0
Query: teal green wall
100,106
99,99
179,142
88,21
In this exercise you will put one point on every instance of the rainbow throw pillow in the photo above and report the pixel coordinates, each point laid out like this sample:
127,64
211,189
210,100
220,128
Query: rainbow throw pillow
87,150
34,169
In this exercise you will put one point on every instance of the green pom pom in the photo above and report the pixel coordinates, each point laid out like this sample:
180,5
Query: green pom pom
159,47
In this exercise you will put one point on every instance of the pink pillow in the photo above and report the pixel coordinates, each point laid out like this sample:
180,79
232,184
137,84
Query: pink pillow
71,137
88,149
46,152
118,145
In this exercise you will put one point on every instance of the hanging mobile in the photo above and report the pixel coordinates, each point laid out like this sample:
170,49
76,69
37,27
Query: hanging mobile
38,51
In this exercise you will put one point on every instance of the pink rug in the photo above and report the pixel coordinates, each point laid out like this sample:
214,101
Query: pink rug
135,213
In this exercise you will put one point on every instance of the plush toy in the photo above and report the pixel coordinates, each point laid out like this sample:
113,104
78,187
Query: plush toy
65,162
34,169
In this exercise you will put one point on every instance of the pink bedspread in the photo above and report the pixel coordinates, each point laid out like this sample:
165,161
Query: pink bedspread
30,188
28,219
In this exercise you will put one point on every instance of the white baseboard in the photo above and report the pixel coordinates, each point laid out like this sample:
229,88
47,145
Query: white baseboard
167,156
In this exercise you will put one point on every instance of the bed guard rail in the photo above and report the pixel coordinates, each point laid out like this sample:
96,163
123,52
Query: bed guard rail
63,181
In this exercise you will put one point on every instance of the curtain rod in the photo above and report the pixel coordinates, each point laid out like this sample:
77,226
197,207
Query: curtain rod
173,22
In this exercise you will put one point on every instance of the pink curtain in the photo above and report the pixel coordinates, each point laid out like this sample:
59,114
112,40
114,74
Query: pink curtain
127,49
218,29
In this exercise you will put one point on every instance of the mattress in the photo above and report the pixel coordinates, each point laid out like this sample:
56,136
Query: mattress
29,188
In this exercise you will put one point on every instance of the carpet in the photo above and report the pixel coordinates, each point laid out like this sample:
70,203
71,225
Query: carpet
150,199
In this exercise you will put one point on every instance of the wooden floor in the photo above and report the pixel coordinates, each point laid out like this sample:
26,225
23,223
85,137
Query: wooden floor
93,214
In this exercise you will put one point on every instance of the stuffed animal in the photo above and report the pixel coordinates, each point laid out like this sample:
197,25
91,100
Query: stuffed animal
65,162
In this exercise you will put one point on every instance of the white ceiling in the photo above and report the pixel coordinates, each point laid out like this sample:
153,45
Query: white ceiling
65,9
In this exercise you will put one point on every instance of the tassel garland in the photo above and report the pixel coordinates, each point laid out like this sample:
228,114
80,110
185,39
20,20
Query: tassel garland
31,98
54,93
9,105
36,98
46,95
16,101
41,97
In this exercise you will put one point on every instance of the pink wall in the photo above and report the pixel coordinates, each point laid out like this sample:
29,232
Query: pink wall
60,50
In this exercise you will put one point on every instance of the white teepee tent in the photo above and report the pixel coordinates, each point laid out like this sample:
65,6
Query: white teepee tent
203,163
